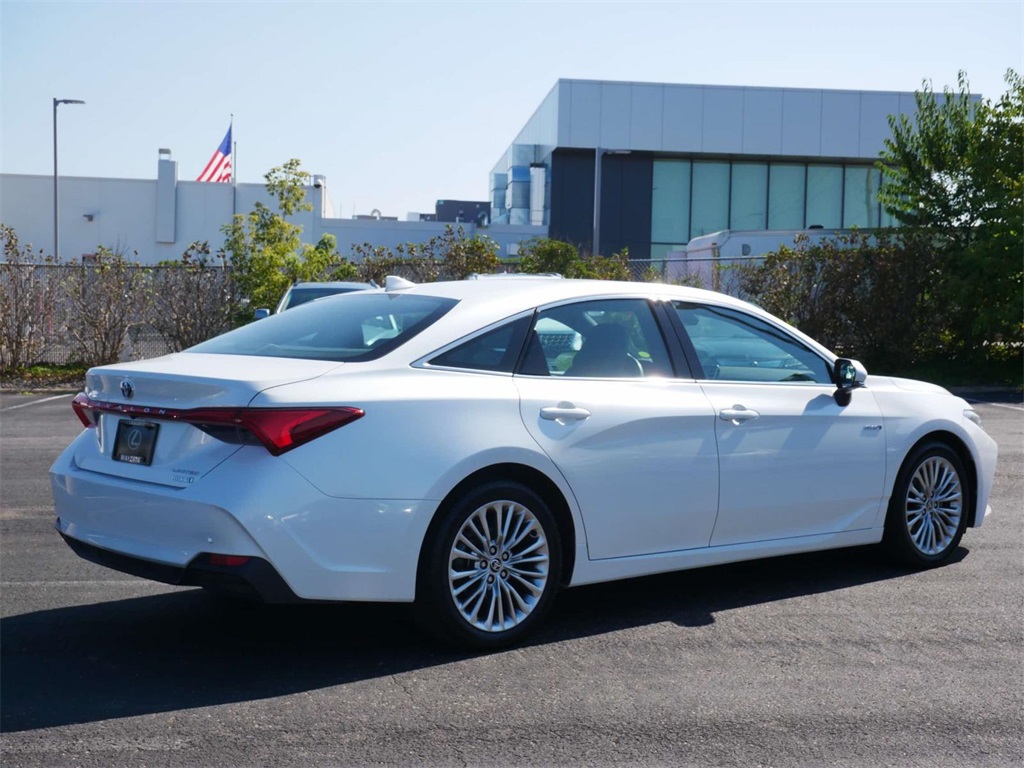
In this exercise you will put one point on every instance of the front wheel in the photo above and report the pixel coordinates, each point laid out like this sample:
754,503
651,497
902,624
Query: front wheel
928,509
491,569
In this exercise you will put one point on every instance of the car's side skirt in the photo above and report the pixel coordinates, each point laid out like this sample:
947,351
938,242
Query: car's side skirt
593,571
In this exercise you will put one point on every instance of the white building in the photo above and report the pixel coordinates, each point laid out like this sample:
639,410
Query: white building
159,218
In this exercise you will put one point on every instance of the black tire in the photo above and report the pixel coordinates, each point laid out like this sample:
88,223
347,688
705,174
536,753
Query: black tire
929,506
500,594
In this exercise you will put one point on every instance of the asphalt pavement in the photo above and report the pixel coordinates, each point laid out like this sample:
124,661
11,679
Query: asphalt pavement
829,659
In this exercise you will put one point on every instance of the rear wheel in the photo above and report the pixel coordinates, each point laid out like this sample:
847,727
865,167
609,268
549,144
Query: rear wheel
491,569
928,509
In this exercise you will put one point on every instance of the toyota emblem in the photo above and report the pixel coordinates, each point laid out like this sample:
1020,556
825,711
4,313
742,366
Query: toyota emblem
127,389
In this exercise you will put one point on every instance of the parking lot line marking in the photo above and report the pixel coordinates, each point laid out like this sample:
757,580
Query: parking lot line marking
34,402
999,405
137,582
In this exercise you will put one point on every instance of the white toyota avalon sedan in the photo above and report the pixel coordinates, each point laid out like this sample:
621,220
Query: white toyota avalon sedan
475,446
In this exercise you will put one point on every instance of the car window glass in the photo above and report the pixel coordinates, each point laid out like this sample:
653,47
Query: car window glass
346,328
608,338
304,295
734,346
496,350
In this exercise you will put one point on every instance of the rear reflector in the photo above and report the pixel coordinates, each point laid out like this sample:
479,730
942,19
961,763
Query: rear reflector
278,429
232,561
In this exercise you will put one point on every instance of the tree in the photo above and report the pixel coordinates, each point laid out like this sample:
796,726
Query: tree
266,251
865,296
541,255
956,174
460,256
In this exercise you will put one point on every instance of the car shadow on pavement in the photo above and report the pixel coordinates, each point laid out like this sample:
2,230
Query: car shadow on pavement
186,649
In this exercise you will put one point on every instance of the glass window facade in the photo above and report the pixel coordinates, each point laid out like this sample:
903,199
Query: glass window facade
690,198
824,196
786,189
670,202
748,206
860,197
709,207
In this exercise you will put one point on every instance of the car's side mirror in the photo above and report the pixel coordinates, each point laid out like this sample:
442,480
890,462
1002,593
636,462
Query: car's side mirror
261,313
848,375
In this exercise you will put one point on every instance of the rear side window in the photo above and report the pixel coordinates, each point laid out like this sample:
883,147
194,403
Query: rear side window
496,350
344,328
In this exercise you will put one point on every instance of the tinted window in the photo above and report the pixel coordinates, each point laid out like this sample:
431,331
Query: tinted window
496,350
343,328
734,346
612,338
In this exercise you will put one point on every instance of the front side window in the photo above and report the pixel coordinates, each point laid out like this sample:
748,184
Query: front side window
607,338
734,346
346,328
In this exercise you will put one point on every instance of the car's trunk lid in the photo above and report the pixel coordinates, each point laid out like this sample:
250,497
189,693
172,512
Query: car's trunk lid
148,391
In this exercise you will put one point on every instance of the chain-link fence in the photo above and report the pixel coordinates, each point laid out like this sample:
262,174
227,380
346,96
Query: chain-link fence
60,314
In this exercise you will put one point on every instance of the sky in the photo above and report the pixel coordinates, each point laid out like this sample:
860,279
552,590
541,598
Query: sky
399,104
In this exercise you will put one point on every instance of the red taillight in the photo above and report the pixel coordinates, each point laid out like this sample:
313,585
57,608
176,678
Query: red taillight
82,409
278,429
232,561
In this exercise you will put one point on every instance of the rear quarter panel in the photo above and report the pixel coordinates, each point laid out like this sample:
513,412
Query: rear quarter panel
423,432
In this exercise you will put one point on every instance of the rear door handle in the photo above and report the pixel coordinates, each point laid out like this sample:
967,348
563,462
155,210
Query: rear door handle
738,414
564,413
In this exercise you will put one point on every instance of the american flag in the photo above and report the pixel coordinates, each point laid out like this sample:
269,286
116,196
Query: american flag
219,167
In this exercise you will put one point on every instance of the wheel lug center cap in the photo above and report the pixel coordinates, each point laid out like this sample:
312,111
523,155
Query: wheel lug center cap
495,565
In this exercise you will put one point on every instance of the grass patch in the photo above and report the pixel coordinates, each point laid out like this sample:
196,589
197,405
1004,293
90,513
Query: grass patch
42,376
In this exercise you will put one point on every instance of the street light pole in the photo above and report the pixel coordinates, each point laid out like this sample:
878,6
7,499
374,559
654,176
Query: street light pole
56,205
595,246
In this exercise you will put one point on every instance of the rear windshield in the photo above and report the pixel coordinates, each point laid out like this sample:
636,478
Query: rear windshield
345,328
302,295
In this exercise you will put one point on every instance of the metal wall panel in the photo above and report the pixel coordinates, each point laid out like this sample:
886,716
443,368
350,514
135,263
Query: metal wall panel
626,183
762,121
723,120
646,117
682,118
801,123
572,197
616,108
875,109
585,118
840,124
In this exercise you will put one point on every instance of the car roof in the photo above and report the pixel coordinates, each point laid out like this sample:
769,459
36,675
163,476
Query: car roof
506,295
482,303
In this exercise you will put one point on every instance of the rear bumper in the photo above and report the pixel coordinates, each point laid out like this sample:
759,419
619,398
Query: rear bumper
254,579
252,505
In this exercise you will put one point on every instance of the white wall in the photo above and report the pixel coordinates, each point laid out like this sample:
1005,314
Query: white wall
708,119
124,214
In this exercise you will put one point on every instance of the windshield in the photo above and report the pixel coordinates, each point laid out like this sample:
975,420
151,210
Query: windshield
343,328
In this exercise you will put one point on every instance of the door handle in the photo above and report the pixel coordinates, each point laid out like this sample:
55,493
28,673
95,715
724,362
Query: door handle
737,414
564,413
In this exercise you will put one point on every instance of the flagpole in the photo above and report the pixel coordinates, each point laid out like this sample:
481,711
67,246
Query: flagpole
234,169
